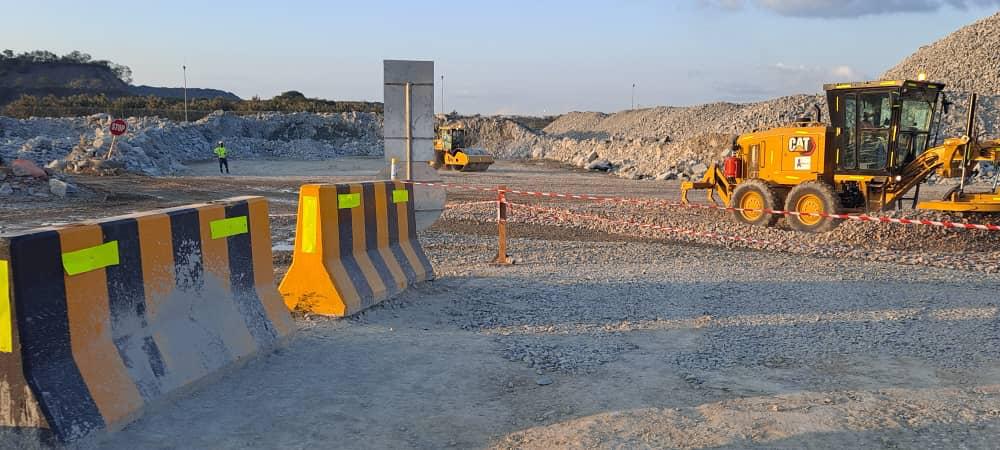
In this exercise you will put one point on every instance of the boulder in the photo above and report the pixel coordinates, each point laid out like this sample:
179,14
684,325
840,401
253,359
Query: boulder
602,165
668,175
698,170
26,168
6,190
592,156
56,164
58,188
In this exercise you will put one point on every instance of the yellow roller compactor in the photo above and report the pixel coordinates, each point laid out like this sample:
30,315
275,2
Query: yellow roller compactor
873,153
450,151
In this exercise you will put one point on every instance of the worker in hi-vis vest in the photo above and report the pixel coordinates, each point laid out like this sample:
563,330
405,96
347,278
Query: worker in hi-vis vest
221,152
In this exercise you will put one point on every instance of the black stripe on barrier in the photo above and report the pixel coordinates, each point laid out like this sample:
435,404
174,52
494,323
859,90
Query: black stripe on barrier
242,281
189,275
43,323
185,235
127,302
397,251
371,239
345,225
417,248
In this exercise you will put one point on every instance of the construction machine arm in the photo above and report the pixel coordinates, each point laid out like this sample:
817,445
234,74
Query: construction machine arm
714,181
941,159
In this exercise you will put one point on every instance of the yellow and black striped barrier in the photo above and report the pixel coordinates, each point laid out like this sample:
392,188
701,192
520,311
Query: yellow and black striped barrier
355,245
97,320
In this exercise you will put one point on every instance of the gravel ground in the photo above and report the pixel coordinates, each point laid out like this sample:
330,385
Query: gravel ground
586,344
601,337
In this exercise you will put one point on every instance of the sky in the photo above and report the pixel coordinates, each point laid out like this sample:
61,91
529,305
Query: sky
510,57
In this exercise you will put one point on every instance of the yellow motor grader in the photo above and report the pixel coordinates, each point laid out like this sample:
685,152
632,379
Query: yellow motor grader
874,151
450,151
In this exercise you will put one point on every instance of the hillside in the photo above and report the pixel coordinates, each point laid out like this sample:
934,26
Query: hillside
966,60
192,93
42,74
18,77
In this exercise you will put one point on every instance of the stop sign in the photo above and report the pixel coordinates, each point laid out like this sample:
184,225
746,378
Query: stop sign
118,127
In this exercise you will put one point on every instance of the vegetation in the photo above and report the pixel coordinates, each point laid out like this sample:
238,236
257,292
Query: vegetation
80,105
8,59
120,104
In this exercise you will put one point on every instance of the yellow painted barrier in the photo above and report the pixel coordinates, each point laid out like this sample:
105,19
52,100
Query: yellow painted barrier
98,320
355,245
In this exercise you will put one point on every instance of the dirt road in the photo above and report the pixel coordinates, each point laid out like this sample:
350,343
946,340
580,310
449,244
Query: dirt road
604,337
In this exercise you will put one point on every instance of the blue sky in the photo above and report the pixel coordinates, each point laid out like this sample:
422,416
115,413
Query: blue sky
514,56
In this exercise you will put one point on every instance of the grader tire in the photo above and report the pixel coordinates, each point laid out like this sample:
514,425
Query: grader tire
813,197
753,195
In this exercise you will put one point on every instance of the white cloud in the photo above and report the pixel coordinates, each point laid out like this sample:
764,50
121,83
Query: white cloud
847,8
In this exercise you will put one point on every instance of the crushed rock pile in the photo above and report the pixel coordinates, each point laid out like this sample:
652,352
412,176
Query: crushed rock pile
673,142
157,146
22,180
966,60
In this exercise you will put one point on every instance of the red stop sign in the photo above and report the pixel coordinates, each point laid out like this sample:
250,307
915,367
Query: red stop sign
118,127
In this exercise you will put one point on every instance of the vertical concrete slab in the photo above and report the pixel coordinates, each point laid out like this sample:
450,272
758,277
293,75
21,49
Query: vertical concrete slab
420,75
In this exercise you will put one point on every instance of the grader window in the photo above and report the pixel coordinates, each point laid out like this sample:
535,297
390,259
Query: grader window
915,121
875,120
849,153
916,116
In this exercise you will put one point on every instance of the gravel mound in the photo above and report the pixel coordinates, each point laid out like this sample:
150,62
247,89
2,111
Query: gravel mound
157,146
679,123
966,60
674,142
679,142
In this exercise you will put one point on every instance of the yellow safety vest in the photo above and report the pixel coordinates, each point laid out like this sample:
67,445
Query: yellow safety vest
220,151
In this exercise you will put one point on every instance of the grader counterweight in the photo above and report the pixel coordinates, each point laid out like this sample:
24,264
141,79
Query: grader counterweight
874,151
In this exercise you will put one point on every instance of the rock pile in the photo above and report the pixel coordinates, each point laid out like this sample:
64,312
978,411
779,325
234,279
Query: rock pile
965,60
674,142
157,146
678,142
22,180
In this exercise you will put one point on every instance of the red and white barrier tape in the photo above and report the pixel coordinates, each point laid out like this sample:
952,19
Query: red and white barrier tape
466,204
467,187
672,204
676,230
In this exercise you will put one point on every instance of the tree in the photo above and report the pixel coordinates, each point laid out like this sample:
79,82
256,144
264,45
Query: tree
292,95
77,57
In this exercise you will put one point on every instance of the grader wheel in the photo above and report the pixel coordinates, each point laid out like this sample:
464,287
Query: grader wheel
813,197
751,197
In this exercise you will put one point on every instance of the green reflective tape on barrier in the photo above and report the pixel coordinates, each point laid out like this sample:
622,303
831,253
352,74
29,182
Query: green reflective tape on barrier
6,327
91,259
345,201
400,195
224,228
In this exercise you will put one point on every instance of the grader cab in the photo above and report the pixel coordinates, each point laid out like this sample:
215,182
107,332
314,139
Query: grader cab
874,151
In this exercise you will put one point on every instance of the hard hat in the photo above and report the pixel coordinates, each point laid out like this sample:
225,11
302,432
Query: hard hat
220,142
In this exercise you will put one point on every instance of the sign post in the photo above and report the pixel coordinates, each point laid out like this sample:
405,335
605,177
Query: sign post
118,127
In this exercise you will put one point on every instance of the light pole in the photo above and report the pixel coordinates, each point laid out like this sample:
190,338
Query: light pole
633,95
185,68
443,110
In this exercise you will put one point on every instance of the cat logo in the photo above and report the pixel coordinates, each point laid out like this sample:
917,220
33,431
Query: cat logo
801,144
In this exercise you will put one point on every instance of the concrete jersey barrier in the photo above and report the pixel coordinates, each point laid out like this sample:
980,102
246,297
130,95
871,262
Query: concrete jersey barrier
98,320
355,246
